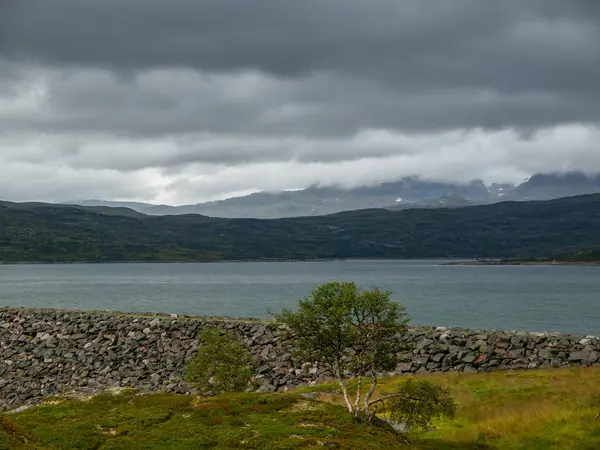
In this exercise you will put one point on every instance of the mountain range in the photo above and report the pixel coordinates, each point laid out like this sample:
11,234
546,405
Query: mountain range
60,233
409,192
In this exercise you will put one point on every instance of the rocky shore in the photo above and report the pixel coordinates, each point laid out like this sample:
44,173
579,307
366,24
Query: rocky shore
49,352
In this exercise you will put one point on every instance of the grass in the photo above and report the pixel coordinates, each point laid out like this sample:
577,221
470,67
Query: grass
502,410
540,409
165,421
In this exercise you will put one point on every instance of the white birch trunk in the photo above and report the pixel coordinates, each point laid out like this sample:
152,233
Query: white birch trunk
358,395
342,384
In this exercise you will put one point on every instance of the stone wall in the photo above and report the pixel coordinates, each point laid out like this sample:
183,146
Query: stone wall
47,352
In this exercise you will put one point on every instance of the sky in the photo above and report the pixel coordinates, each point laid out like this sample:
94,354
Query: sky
185,101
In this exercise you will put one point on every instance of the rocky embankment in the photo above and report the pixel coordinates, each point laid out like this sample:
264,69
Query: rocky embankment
48,352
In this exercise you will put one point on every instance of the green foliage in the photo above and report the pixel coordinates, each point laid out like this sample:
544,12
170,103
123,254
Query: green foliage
351,330
417,403
222,364
58,233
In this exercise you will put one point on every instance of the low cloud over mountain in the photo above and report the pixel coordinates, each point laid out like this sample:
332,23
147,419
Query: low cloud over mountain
408,193
183,102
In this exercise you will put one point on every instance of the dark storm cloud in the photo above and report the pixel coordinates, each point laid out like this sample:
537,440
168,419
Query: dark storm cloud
286,37
510,47
187,100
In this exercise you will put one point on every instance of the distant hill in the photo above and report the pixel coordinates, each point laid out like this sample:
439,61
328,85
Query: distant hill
409,192
549,186
39,206
44,232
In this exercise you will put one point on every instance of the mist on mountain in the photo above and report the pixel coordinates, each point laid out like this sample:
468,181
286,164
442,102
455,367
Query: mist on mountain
406,193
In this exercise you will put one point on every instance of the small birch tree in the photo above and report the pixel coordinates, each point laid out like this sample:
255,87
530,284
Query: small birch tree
221,365
354,332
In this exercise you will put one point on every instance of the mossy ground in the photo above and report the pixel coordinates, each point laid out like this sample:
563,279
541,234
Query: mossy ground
503,410
240,421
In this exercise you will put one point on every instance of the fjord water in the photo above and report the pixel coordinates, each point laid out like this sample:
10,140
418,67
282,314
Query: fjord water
533,298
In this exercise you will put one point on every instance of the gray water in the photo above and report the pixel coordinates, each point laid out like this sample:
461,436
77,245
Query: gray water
537,298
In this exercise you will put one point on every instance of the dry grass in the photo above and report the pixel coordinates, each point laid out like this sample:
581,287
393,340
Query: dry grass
542,409
304,405
509,406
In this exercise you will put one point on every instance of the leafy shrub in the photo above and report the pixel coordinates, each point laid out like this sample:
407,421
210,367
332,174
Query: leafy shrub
417,403
222,364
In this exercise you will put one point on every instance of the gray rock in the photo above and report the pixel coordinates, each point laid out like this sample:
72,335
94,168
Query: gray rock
45,352
469,358
516,353
577,356
268,387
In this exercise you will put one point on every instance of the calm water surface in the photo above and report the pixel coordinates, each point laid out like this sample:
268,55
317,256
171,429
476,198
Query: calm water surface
514,298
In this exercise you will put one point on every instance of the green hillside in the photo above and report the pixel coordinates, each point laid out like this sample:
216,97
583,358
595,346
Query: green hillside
47,233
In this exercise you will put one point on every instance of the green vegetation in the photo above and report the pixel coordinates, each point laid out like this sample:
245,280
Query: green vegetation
355,333
59,233
531,410
352,331
534,410
419,403
235,421
589,256
222,364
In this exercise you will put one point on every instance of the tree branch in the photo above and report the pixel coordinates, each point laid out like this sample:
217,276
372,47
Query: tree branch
371,391
387,397
370,416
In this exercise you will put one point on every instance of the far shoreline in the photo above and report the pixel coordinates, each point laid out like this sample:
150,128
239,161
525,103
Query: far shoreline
525,263
449,261
441,261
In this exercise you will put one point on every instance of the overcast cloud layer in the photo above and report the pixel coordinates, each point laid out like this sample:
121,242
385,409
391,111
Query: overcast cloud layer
183,101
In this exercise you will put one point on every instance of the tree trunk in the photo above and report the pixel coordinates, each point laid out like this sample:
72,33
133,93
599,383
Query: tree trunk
370,392
358,395
345,393
342,384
